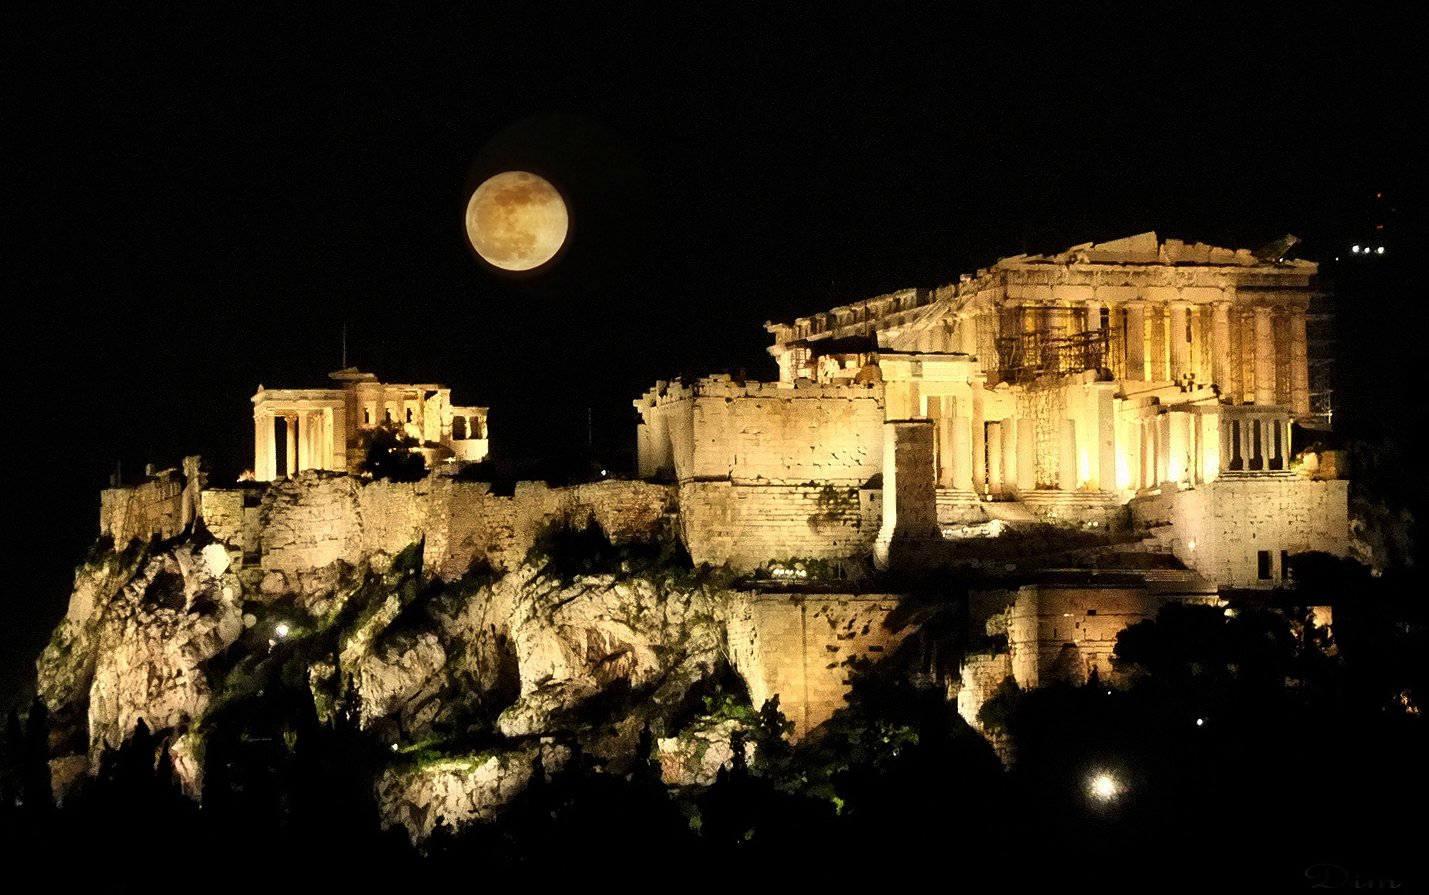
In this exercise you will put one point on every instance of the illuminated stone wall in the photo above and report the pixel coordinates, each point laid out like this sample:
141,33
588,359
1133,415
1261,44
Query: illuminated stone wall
316,518
1062,633
980,676
139,512
762,432
1221,529
799,646
747,526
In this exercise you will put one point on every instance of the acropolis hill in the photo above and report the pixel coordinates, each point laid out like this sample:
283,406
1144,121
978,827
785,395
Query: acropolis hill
1060,444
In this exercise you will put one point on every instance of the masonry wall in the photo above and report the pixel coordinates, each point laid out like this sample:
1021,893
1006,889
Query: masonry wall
763,432
759,432
799,647
747,526
317,518
980,676
1220,529
139,512
1063,633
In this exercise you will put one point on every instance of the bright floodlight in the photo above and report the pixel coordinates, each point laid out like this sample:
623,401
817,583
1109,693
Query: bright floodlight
1104,787
282,630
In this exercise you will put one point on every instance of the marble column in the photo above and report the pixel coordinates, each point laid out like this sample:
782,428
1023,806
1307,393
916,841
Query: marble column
979,440
1067,455
1180,348
1136,341
994,457
1221,366
1026,454
1009,455
1264,355
1094,315
291,421
263,459
1299,364
962,459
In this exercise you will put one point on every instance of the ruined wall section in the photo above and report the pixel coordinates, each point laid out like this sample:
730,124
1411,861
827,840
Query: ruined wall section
139,512
309,521
747,526
1222,528
799,647
759,432
314,519
719,429
1063,633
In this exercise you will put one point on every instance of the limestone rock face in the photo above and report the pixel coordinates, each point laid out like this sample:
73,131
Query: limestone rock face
575,639
170,618
132,644
459,790
695,756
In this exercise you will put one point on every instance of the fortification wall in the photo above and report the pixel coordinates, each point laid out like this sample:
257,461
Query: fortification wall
747,526
1221,529
223,514
980,676
1063,633
799,647
139,512
316,518
763,432
759,432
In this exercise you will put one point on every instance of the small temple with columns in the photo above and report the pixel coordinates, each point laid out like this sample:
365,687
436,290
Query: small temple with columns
300,429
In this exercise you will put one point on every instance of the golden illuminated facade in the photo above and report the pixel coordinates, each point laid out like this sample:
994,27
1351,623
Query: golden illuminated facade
299,429
1073,384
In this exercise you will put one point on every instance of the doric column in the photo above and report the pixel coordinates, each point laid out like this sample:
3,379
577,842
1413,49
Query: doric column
1104,451
1163,448
291,420
1026,454
962,443
946,450
1299,364
1264,355
967,333
1148,452
1180,348
979,439
1221,365
1136,341
1009,455
994,457
1067,455
1094,315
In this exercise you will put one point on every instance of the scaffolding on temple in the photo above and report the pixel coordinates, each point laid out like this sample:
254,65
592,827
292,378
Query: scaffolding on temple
1025,357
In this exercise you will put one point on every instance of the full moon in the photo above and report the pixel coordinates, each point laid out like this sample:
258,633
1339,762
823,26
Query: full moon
516,220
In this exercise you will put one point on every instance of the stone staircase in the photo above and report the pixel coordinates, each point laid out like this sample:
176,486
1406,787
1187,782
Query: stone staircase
1072,506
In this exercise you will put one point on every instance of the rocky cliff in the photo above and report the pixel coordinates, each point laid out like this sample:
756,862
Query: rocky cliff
462,684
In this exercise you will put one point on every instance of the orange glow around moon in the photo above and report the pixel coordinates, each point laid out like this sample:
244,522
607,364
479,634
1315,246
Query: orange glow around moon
516,220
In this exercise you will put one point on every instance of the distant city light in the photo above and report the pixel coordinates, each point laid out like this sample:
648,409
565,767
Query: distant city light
1200,722
1104,787
1355,249
1379,251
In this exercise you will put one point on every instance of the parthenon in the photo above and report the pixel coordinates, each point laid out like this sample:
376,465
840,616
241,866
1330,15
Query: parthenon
1071,384
300,429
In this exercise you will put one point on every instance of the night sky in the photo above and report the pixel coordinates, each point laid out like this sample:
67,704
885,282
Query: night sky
199,200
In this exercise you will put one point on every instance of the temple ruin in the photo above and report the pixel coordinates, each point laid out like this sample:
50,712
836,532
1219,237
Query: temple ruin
1163,377
301,429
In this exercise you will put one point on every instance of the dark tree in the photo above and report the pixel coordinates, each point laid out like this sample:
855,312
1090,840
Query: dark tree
392,454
